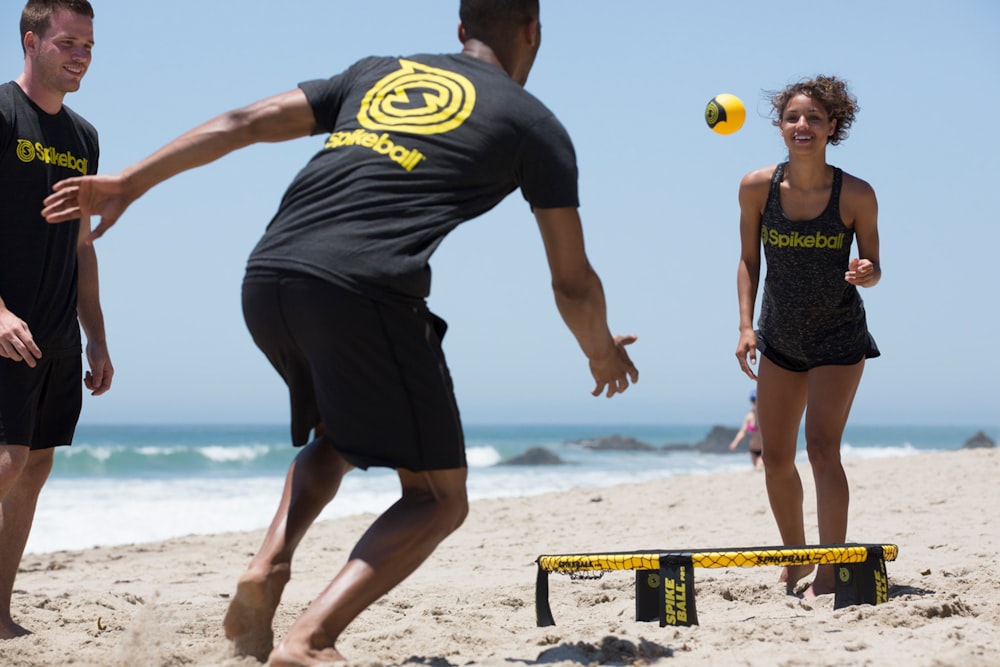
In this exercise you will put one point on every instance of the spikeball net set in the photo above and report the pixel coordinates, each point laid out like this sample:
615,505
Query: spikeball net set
664,579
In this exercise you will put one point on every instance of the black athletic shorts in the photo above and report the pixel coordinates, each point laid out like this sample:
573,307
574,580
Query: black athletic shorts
40,406
372,372
825,352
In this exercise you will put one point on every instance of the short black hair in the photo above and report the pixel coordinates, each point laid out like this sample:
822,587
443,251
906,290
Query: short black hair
490,20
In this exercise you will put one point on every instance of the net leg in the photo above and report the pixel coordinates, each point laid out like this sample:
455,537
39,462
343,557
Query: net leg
677,605
648,593
543,614
862,583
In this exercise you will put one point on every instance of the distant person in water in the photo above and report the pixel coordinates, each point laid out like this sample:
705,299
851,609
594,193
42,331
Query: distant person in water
750,428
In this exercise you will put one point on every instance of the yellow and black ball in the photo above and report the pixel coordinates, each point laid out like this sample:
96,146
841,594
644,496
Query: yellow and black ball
725,113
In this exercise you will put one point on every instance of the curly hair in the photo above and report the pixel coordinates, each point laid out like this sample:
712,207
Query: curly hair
830,93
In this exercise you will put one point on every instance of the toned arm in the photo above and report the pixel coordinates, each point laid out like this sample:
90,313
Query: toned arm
579,297
98,378
279,118
752,197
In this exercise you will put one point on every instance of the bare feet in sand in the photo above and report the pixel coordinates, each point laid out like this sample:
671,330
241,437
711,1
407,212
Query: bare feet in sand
9,630
285,656
791,575
823,584
248,619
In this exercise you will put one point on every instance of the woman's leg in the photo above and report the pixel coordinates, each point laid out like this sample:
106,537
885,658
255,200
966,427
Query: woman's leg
781,399
831,393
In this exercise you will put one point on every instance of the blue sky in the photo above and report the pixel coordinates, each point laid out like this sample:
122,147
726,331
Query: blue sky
630,80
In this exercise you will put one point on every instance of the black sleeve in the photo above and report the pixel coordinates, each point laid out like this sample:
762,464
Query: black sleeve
326,96
6,120
546,168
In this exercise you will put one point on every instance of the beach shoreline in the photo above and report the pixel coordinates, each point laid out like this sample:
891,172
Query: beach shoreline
472,603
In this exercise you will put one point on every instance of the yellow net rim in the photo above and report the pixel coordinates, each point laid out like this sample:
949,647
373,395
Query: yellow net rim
716,558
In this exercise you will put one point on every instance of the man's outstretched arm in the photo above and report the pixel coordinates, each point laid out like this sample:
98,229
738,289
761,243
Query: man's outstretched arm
279,118
580,300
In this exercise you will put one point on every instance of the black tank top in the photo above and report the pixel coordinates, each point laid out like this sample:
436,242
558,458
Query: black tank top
810,316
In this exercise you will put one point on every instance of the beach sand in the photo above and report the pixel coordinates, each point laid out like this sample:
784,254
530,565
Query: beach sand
472,603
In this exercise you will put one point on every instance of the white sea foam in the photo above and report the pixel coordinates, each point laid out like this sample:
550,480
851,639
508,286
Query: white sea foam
216,483
481,457
229,454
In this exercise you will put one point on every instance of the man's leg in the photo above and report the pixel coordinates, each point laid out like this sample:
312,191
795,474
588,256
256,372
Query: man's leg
22,476
312,481
831,393
433,505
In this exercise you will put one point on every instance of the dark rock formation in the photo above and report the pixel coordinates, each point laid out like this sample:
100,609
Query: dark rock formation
614,443
717,441
536,456
677,447
979,440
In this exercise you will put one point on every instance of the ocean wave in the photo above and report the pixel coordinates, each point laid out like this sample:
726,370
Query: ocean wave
222,454
482,457
848,451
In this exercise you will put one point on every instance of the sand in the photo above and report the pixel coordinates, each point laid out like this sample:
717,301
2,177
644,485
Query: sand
472,603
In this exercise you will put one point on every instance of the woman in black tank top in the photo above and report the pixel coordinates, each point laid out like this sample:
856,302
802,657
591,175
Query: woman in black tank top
812,333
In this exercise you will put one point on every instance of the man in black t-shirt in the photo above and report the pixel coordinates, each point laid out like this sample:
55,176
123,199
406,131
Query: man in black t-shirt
334,293
48,273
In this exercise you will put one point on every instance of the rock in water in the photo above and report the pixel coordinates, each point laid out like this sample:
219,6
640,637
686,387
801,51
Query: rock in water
978,441
536,456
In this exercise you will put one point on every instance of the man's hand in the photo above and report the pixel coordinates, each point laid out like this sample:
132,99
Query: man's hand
614,371
16,341
84,196
98,378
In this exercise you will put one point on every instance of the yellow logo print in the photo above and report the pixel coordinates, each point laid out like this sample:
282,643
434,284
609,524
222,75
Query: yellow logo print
25,150
381,144
418,99
815,241
29,152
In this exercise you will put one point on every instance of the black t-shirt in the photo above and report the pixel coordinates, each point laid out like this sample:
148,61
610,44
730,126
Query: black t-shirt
38,267
415,147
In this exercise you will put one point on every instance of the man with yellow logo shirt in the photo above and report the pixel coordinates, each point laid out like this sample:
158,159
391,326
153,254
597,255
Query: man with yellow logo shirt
335,290
48,274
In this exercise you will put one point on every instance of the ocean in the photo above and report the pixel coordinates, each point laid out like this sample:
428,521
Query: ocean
128,484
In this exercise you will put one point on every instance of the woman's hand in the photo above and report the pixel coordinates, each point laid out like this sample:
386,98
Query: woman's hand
862,273
746,352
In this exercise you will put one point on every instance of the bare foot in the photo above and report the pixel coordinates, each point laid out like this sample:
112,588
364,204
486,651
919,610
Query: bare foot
9,630
791,575
823,584
285,656
248,619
